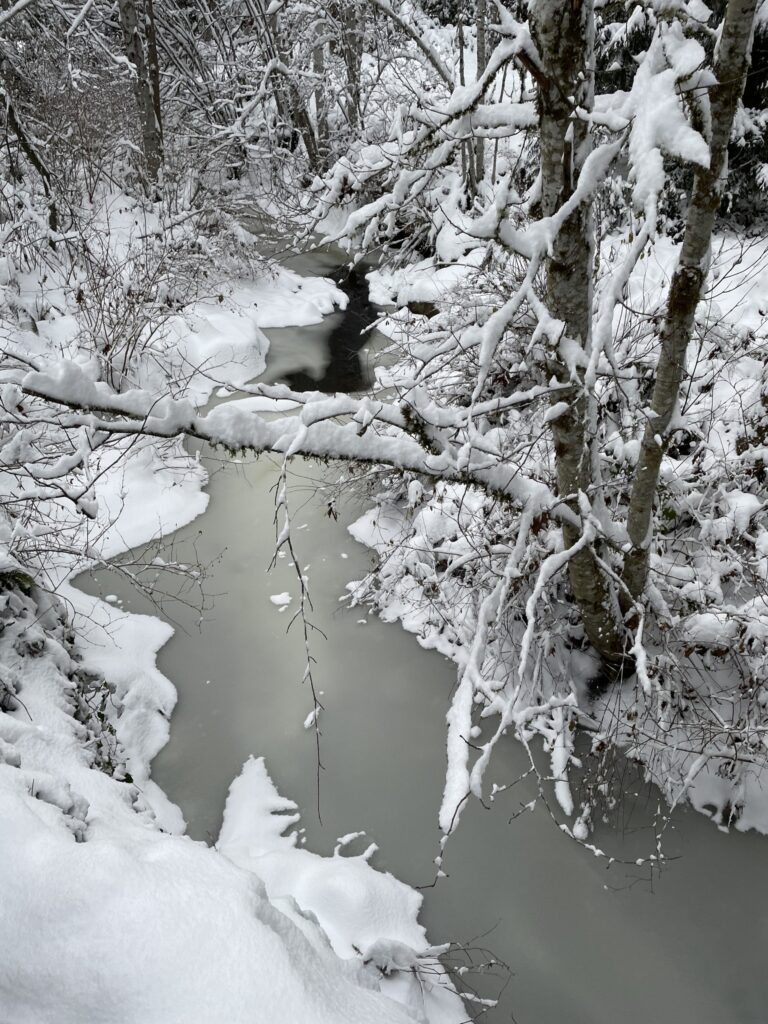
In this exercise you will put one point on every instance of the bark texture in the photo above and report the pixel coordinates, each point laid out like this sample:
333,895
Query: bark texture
153,65
352,36
564,36
147,96
321,101
28,146
731,66
481,22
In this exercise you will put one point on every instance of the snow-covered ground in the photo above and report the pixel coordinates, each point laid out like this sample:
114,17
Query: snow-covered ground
108,908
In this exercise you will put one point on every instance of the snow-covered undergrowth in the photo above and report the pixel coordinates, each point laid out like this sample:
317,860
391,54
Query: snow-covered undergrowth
106,904
530,206
695,712
495,395
509,336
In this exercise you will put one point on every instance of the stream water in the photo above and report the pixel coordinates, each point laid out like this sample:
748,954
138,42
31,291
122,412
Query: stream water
584,944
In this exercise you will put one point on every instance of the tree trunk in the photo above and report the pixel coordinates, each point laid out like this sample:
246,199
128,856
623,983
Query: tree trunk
460,44
352,46
29,149
482,61
133,37
287,97
321,105
564,36
153,65
731,67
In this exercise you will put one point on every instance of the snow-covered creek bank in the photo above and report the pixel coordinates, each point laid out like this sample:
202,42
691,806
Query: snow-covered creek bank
584,944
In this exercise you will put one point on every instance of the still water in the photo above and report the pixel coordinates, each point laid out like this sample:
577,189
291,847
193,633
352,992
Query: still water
584,944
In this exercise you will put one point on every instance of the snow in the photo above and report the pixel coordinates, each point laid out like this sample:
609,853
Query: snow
358,908
311,720
222,340
654,108
148,495
163,928
422,281
331,938
289,300
110,904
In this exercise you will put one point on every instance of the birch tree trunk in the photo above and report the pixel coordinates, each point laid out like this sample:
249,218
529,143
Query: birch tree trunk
731,65
564,36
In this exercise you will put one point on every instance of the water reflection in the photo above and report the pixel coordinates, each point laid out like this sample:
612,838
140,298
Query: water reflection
345,370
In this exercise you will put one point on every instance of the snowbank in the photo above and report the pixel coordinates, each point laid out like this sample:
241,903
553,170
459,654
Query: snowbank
108,910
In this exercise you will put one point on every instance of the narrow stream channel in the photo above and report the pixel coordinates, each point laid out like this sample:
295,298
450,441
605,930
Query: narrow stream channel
585,945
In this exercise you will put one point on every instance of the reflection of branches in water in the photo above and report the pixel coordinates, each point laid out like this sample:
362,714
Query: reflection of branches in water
283,539
165,573
610,787
626,796
469,965
168,572
322,488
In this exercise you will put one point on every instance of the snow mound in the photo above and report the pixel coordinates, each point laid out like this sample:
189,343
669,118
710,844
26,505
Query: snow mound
365,913
163,928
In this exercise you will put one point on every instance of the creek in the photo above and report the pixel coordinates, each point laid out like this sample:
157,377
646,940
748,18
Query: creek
584,944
